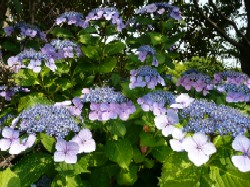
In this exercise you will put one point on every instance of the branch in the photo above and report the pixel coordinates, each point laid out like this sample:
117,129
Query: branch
217,28
232,23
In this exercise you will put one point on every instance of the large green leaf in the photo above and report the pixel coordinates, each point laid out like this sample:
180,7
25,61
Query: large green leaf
61,32
10,46
120,151
157,38
32,167
9,179
147,139
178,171
106,66
91,52
88,39
114,48
48,142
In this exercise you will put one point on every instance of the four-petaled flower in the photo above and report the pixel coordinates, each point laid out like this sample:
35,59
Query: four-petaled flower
66,151
182,101
178,137
198,148
85,141
242,144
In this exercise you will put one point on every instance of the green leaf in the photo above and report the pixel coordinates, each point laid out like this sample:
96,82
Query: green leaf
106,66
98,157
28,101
169,24
26,77
117,128
103,176
116,79
114,48
73,169
61,32
9,179
91,52
137,155
48,142
120,151
127,177
10,46
69,181
147,139
161,153
32,167
88,39
157,38
178,171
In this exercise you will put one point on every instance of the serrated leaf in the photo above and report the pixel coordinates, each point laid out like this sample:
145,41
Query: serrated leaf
73,169
178,171
120,151
32,167
9,179
61,32
48,142
127,177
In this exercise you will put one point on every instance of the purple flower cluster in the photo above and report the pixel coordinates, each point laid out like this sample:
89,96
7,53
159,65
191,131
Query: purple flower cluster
155,101
53,120
107,104
61,49
235,93
161,8
35,60
109,14
207,117
230,76
25,30
145,76
8,92
198,81
235,85
147,50
12,142
71,18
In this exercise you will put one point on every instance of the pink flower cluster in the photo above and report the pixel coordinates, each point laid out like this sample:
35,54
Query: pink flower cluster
198,81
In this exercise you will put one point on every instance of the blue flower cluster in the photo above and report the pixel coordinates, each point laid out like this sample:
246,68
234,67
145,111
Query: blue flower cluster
144,51
61,49
107,104
53,120
35,60
155,101
109,14
71,18
8,92
25,29
145,76
230,76
161,8
207,117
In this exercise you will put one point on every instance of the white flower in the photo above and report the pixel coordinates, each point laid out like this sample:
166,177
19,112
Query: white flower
242,144
176,143
182,101
198,148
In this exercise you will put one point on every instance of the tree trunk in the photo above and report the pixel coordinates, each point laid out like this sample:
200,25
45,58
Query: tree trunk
244,58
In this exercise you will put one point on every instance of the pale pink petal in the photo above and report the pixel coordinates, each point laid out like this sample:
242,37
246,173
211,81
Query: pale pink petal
29,142
200,138
16,148
61,145
5,144
189,144
88,146
72,147
70,158
178,134
167,130
85,134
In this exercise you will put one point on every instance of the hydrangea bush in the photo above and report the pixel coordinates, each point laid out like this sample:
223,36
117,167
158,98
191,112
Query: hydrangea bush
95,106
